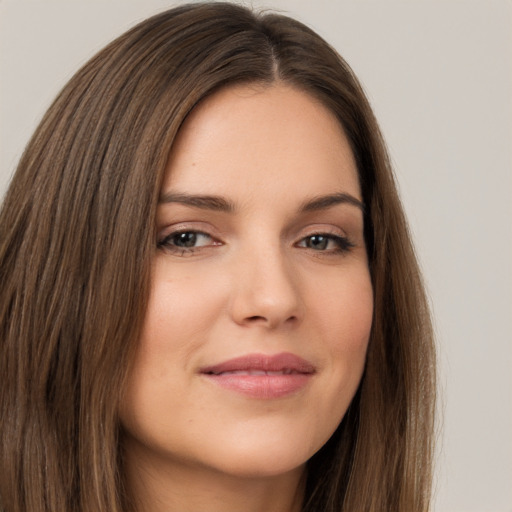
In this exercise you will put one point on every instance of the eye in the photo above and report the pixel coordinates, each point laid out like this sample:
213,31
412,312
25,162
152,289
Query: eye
323,242
187,241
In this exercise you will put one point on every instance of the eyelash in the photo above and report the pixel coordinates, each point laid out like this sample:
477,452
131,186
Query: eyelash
342,244
167,242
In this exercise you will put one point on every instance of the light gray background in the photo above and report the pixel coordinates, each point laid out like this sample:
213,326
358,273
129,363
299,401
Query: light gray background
439,75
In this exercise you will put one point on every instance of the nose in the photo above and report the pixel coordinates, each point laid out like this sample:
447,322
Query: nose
266,291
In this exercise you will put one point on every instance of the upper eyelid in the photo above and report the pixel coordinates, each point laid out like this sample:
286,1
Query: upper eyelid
186,226
322,229
170,234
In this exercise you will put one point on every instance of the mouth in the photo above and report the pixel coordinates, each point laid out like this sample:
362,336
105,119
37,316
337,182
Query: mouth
262,376
286,371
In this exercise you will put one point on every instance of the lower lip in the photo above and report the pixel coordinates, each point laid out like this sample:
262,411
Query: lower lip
265,387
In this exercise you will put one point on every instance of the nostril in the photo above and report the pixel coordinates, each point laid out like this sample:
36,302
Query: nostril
258,318
255,318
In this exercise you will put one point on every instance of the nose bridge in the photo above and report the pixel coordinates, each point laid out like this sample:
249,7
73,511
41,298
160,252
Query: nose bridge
265,287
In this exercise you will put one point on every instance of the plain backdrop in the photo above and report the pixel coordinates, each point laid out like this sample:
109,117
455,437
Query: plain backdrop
439,75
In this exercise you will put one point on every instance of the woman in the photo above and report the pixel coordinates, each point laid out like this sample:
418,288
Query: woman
210,300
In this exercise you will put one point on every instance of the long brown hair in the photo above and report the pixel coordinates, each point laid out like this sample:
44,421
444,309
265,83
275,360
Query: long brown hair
77,236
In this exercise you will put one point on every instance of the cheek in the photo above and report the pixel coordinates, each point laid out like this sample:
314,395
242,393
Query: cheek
344,319
179,314
344,313
175,327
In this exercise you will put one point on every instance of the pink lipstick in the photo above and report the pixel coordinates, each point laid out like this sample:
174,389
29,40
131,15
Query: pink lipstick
262,376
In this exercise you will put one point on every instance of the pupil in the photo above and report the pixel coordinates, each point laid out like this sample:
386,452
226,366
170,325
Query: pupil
185,239
317,242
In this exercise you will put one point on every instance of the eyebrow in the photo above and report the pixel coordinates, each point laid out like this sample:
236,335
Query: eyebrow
221,204
324,202
215,203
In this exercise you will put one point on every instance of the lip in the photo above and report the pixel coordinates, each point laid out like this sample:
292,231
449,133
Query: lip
262,376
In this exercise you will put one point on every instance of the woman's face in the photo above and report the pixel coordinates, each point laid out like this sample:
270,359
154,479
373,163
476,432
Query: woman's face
261,303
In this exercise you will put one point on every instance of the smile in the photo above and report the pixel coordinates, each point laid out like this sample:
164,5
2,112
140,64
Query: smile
262,376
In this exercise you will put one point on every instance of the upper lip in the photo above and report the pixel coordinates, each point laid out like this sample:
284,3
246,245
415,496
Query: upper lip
284,362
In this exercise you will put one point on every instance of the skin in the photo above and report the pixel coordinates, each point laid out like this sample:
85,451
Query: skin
254,282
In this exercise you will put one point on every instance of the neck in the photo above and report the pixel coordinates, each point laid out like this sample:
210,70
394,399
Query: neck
170,487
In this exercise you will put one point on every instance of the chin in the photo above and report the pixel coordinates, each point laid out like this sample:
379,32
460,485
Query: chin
265,456
268,466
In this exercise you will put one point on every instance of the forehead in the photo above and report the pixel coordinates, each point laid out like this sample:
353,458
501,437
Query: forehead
248,138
